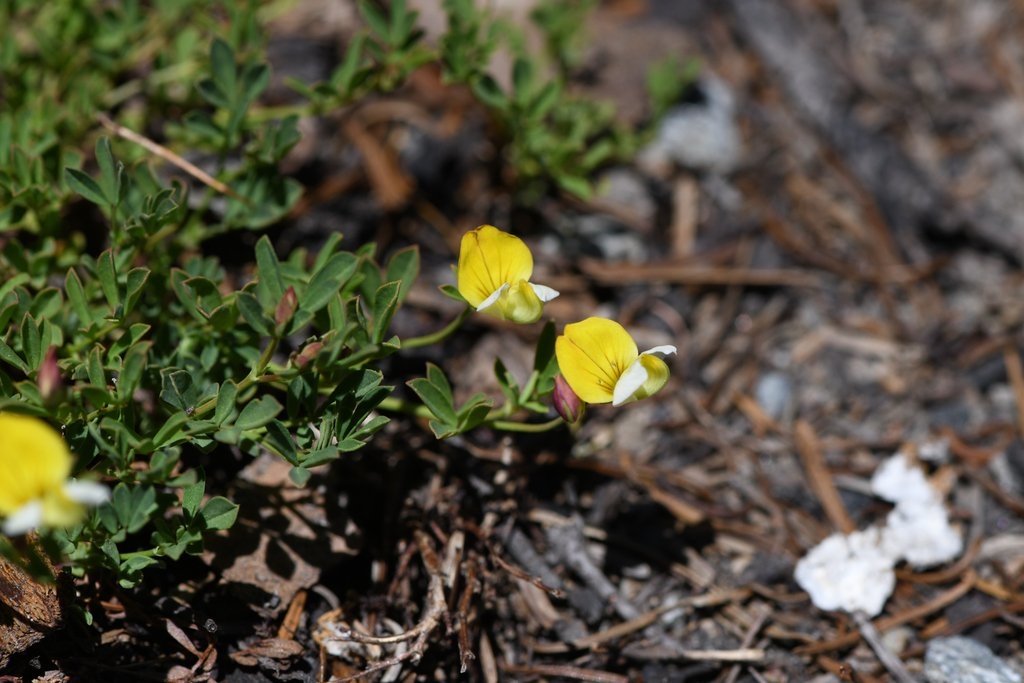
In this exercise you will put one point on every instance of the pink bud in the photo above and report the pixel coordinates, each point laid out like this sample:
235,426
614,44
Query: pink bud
286,308
566,403
48,378
308,353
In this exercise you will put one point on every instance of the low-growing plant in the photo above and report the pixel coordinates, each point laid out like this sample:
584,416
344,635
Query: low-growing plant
153,357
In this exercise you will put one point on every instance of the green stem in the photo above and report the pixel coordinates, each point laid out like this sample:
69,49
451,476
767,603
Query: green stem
253,378
530,427
397,405
440,335
529,387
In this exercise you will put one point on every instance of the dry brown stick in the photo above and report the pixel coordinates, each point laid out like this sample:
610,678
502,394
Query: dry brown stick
391,185
685,274
468,590
563,671
945,575
889,660
167,155
290,624
742,654
434,610
748,640
569,542
819,477
1001,610
711,598
938,602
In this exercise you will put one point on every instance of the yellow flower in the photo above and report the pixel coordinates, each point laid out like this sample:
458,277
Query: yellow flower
493,276
34,487
601,363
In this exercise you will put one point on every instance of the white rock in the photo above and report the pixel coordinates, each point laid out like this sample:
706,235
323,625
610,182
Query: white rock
850,573
704,137
921,534
898,481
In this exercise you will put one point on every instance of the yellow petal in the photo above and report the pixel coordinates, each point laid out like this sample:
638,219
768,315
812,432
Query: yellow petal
34,461
592,355
488,259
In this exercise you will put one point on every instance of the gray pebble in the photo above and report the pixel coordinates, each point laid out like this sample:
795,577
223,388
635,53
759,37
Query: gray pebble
962,660
774,392
702,137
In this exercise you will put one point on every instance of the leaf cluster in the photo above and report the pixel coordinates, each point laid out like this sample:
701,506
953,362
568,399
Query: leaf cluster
168,357
162,360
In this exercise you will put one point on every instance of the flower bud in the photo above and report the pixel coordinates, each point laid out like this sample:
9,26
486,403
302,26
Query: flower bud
286,308
566,403
48,379
309,353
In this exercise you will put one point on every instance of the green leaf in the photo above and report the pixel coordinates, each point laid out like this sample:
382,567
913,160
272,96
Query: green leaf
344,77
545,100
219,513
9,356
111,176
252,313
280,441
545,356
299,475
385,303
490,93
437,377
107,275
575,185
258,413
271,283
133,506
255,79
435,399
222,66
131,371
326,282
30,343
192,497
506,381
225,401
168,433
136,282
403,267
14,281
522,78
94,368
134,565
452,292
81,183
178,389
473,412
321,456
374,18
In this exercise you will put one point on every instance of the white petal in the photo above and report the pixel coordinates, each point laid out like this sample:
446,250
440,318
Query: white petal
665,349
629,381
87,492
489,301
543,293
26,518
